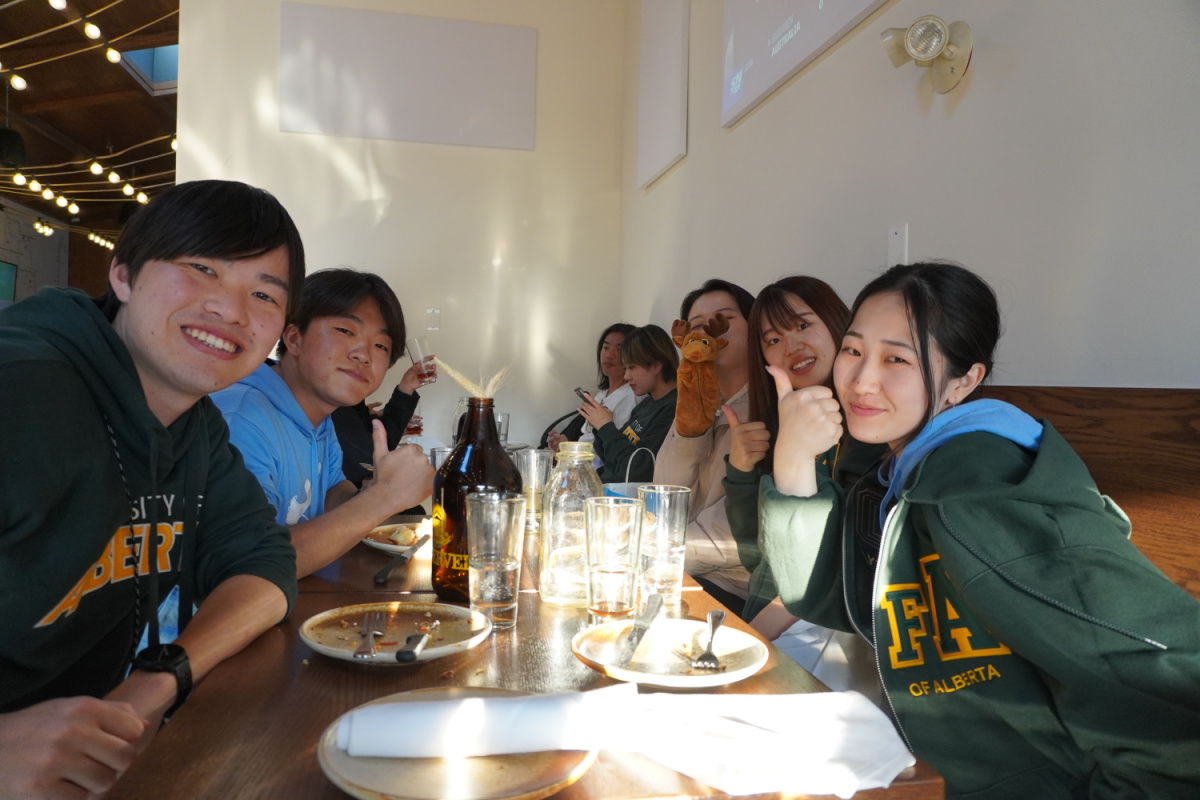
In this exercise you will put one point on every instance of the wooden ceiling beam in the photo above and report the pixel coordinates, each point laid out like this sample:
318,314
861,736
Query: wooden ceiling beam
82,101
17,57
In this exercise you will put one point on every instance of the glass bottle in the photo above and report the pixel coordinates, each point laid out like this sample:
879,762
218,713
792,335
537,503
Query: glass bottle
478,463
562,579
456,422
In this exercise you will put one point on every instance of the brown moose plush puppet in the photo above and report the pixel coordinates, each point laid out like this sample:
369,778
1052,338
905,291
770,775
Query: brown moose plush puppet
699,396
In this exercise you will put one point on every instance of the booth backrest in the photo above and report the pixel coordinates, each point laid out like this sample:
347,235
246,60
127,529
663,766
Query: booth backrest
1142,447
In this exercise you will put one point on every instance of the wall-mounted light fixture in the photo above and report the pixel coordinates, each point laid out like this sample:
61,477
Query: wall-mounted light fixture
930,42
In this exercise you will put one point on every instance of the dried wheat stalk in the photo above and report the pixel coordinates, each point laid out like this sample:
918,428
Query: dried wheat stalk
474,389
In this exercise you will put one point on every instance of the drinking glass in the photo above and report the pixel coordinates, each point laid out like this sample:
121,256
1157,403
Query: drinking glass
664,533
422,357
438,456
534,466
613,538
495,535
502,426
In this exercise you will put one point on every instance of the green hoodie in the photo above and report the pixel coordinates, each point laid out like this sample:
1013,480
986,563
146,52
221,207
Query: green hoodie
1026,647
67,588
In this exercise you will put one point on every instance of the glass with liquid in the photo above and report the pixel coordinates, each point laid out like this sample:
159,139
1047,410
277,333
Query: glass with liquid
495,533
613,546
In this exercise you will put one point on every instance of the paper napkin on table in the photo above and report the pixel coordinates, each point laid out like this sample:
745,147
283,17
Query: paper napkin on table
483,726
825,743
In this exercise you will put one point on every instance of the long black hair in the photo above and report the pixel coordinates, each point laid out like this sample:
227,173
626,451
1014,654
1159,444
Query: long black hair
950,306
623,328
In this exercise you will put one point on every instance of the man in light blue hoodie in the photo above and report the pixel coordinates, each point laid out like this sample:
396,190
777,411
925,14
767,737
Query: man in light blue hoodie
334,352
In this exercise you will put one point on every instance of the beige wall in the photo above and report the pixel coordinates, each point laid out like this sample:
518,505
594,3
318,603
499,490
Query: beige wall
519,249
1065,169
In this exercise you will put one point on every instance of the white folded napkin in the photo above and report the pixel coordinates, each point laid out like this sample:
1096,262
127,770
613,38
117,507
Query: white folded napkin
827,743
484,726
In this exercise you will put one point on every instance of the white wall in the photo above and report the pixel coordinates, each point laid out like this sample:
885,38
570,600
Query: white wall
1065,168
518,249
41,260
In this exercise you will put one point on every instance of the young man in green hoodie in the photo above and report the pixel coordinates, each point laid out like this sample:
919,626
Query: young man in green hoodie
120,497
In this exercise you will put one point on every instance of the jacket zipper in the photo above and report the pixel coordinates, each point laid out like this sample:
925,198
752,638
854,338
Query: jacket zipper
873,637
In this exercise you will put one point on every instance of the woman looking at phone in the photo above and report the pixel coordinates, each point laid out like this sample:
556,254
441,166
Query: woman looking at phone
1025,646
614,394
650,361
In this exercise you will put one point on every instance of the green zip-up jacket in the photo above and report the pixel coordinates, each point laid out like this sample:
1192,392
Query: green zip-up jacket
68,533
741,507
1027,649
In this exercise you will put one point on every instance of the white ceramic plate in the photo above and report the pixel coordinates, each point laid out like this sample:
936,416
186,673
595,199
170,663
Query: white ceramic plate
663,658
528,776
378,538
336,633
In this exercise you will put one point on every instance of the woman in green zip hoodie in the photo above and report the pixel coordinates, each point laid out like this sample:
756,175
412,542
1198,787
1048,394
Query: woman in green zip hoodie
1025,647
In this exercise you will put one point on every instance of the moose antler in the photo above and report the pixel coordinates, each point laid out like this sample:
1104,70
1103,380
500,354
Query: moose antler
679,328
717,327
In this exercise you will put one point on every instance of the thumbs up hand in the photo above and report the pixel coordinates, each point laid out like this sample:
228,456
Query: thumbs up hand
749,441
810,422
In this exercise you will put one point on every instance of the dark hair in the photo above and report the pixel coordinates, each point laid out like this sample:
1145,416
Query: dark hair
335,292
623,328
772,305
740,296
953,307
650,345
211,219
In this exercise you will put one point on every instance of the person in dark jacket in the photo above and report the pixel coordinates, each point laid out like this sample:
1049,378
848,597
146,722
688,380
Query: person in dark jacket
121,498
1025,647
650,361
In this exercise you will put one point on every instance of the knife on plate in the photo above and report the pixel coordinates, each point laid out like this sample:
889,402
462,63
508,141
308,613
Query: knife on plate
382,576
412,648
640,626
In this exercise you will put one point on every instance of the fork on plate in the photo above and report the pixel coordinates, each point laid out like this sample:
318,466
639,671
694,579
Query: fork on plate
708,659
372,625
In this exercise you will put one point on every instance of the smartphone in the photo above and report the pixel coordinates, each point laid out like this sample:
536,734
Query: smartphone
583,396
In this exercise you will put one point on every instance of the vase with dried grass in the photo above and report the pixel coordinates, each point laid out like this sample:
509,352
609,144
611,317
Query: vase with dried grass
479,462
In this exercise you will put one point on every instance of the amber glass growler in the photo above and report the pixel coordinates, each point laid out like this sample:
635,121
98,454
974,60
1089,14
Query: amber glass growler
478,463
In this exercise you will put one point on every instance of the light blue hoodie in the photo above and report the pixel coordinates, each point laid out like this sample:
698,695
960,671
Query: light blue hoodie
295,462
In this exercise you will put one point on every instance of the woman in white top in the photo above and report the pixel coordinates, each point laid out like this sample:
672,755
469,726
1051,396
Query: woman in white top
614,394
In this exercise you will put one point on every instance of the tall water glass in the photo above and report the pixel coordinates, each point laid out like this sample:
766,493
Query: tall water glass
664,535
534,466
495,535
614,527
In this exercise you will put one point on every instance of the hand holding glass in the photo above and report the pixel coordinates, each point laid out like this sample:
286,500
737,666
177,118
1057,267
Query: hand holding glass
422,358
495,535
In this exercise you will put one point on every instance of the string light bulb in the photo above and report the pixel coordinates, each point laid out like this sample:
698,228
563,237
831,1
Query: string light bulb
58,5
96,168
17,82
61,202
19,179
34,186
112,55
73,208
91,30
127,190
174,143
142,198
47,193
113,177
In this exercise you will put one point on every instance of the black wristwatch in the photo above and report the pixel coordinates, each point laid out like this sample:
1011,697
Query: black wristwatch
168,658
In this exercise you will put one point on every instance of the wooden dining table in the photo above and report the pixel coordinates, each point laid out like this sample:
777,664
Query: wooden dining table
251,727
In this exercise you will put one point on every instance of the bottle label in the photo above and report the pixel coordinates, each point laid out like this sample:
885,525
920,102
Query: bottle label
455,561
